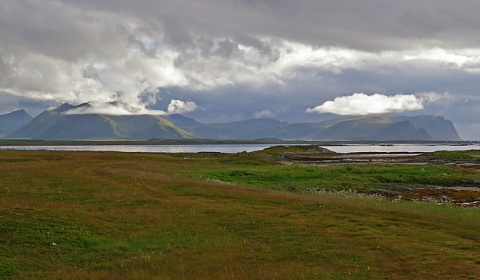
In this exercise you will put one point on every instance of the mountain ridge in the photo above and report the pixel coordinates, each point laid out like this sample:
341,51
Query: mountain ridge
13,121
57,123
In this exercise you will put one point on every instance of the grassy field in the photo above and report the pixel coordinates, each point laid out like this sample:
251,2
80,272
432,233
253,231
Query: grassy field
106,215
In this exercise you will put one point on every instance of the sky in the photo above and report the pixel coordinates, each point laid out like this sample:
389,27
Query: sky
228,60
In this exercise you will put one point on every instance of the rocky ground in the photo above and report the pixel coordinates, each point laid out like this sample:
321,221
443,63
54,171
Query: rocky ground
455,195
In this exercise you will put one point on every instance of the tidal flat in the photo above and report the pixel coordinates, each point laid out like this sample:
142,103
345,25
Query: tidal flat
281,213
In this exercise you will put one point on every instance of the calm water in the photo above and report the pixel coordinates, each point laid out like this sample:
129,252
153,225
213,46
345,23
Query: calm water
237,148
226,148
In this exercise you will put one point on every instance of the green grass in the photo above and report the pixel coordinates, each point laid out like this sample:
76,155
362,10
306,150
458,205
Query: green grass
472,156
102,215
359,177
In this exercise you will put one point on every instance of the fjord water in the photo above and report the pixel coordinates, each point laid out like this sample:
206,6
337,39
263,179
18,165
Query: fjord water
237,148
224,148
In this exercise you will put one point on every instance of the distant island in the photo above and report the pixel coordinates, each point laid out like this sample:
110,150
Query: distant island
58,124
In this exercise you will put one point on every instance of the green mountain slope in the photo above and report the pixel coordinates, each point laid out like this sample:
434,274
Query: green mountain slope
41,123
57,124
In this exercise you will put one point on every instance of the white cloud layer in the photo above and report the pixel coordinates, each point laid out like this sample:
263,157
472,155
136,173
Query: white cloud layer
113,108
363,104
264,114
180,107
121,108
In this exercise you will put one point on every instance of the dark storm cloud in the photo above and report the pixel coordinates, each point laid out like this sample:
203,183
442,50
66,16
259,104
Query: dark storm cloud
367,25
54,29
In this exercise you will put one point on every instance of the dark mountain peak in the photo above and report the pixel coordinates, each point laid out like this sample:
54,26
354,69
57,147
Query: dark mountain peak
13,121
61,108
439,127
21,111
406,130
17,114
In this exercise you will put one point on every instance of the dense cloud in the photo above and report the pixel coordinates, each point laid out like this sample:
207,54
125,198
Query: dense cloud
112,108
363,104
237,59
370,25
180,107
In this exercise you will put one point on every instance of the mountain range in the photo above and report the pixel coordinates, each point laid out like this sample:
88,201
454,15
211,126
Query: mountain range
58,123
